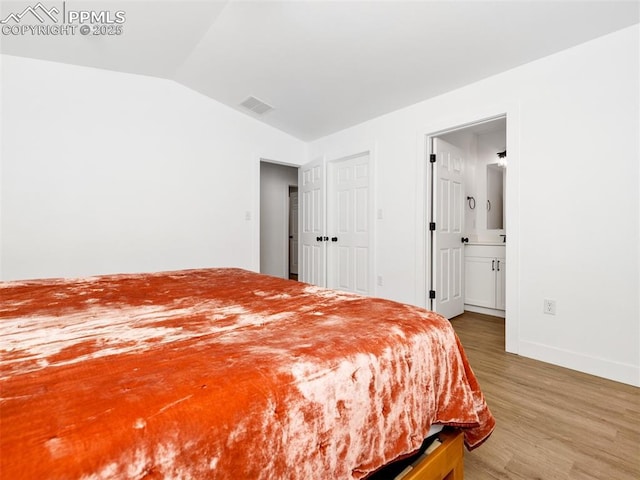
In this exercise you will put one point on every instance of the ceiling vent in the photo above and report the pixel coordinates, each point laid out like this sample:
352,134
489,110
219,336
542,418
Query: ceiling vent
256,106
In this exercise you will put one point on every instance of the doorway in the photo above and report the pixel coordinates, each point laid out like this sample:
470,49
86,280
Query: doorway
277,183
466,213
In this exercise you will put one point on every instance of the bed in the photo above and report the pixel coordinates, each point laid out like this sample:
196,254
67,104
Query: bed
222,373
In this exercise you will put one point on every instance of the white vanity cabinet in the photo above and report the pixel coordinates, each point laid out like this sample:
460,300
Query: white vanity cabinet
485,276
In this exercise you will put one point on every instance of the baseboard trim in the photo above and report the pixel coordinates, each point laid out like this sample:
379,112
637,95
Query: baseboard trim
616,371
487,311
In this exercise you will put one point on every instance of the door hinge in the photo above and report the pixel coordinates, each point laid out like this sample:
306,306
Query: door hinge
432,158
432,226
432,294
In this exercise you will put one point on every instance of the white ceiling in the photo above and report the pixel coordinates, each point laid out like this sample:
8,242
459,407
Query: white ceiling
325,65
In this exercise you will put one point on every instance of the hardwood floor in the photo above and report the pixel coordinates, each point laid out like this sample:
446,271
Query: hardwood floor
552,423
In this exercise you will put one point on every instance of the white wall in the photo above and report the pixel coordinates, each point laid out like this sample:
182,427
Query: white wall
110,172
573,208
274,217
106,172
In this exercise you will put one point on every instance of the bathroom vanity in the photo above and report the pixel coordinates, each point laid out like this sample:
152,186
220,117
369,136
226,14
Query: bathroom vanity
485,278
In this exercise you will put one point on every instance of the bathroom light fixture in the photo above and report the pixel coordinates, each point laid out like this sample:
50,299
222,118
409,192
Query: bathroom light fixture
502,159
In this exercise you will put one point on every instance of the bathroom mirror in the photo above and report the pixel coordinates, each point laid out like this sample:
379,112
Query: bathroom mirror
495,197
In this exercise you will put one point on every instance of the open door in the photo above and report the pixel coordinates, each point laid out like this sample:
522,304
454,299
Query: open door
313,243
447,227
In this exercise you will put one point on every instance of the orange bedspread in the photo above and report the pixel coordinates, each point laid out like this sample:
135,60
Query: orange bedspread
220,373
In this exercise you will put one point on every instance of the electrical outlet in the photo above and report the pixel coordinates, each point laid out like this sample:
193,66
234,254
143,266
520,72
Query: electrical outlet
549,307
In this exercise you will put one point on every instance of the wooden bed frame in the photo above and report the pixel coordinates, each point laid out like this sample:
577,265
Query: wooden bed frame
445,463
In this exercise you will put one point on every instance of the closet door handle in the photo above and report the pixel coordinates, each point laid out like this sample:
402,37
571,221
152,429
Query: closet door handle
498,264
493,265
488,205
334,239
318,239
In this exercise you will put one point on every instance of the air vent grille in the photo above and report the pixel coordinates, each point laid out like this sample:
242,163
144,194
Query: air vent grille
256,106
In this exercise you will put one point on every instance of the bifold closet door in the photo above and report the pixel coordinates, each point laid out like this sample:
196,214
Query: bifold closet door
311,195
348,224
335,223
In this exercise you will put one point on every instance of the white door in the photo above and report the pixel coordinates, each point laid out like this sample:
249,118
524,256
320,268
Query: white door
293,232
311,194
447,268
348,218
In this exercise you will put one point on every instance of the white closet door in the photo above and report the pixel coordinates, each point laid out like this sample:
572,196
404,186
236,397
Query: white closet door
348,224
311,195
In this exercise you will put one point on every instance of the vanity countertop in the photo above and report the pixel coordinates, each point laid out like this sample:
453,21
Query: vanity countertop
493,244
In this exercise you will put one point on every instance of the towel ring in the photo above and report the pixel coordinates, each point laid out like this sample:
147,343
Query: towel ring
472,202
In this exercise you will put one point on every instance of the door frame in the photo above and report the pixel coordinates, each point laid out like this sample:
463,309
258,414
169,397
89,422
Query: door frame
254,217
458,121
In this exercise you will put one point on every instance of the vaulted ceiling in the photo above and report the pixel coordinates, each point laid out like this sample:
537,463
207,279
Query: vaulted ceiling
323,65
